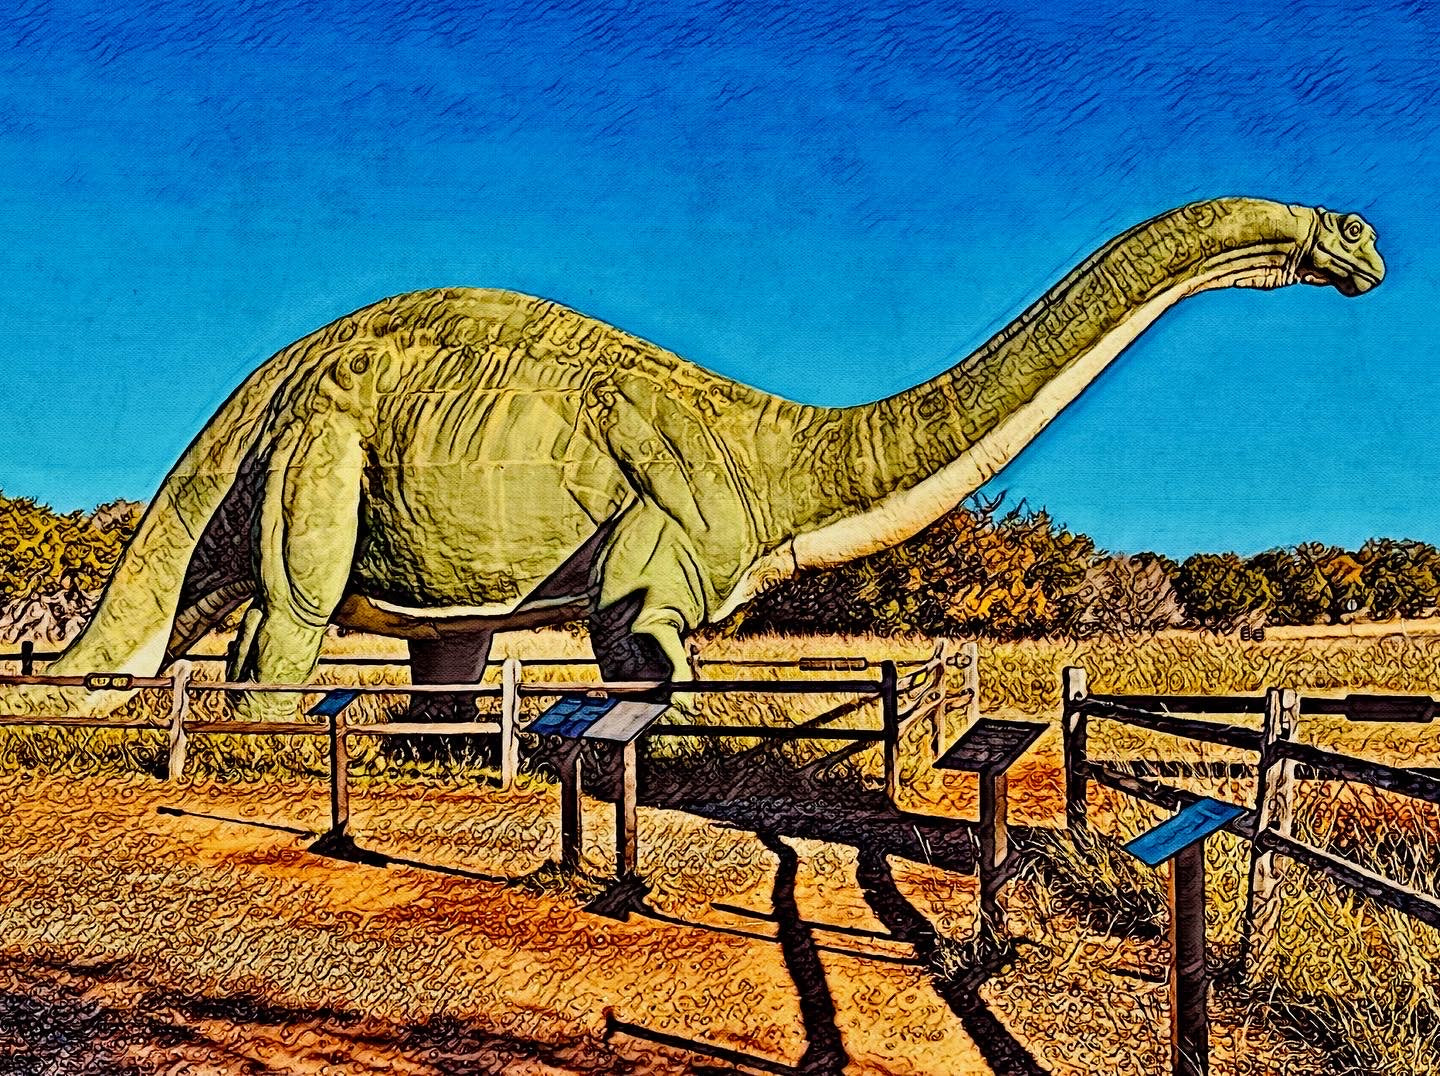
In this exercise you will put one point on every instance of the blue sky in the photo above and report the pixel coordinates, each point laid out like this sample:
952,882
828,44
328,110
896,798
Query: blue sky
830,206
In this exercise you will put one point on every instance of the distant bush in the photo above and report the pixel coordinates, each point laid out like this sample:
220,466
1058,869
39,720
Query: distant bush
1127,595
1219,590
53,565
1399,578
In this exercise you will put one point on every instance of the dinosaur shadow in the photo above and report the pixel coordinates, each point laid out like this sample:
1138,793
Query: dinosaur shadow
775,800
824,1050
960,991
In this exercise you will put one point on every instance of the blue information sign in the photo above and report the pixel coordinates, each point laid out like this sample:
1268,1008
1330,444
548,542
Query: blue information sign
572,716
332,703
579,717
1194,823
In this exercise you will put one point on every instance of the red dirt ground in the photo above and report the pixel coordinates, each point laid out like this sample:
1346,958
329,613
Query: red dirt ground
212,941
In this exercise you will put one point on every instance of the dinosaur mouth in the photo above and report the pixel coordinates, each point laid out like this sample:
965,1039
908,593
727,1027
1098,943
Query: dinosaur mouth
1347,278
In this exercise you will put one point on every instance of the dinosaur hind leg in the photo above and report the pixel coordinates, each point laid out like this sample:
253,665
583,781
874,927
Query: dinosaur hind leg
640,634
456,659
308,527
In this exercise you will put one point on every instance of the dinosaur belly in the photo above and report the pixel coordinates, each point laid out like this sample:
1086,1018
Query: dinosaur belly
513,523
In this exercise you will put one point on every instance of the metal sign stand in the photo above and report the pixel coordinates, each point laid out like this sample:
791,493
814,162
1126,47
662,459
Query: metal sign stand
578,719
989,748
336,841
1181,841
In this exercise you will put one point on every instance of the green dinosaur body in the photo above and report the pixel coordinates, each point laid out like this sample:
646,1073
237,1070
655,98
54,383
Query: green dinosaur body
445,464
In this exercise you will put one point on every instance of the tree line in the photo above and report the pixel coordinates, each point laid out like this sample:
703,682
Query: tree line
53,564
985,568
1013,572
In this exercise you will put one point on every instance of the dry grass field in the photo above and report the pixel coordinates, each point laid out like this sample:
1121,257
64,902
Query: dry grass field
793,922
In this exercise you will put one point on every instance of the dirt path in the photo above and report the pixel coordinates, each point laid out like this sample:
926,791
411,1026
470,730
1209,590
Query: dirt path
211,941
152,940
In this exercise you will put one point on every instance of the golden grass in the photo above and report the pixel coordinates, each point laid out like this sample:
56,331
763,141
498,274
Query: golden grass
1333,965
1336,969
1022,676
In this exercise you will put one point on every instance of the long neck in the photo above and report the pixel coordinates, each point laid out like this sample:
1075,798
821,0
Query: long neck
890,468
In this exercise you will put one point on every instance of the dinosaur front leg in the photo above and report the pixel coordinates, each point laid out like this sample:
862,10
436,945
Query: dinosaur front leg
308,525
634,640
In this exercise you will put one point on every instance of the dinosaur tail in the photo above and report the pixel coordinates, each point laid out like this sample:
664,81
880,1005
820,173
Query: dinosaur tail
131,625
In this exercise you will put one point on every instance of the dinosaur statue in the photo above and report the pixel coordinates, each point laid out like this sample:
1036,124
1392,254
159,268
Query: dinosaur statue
447,464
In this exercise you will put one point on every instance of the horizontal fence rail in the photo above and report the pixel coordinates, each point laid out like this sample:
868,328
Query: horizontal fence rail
1281,763
1186,704
481,690
1377,887
767,732
1191,729
27,655
1322,764
915,692
90,681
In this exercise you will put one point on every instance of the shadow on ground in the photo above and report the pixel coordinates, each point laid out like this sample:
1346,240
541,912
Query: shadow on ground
775,800
104,1020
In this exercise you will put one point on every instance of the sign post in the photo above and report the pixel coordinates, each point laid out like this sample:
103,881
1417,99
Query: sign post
332,708
1189,979
1181,841
988,748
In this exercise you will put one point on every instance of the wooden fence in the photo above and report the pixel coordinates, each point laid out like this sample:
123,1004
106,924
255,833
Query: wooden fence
903,700
1282,764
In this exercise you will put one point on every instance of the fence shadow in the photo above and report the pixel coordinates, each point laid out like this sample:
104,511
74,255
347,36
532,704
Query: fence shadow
960,991
52,1023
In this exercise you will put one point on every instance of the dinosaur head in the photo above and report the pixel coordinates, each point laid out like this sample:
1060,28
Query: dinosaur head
1342,254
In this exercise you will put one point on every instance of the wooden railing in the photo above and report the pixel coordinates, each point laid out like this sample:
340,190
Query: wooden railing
1281,765
903,699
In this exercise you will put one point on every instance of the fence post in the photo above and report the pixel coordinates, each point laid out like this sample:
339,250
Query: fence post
890,715
1274,807
969,662
509,717
971,651
1073,691
27,658
179,711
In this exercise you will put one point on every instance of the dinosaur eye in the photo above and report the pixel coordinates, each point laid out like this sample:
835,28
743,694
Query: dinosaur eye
1353,229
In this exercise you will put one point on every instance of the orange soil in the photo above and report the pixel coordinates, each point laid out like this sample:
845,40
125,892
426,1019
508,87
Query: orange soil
135,941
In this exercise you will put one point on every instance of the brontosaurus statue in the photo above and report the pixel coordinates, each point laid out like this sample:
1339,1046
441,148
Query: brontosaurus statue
447,464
